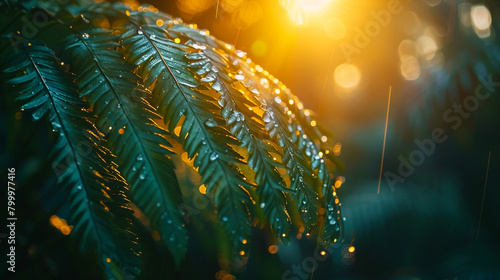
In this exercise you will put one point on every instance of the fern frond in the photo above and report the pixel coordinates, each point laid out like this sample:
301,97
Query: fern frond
183,102
246,125
95,189
309,139
312,140
303,180
119,101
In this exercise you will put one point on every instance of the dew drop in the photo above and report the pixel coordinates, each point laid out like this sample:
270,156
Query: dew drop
211,123
158,204
85,36
208,78
264,82
222,101
140,32
266,117
213,156
262,205
217,86
140,157
224,219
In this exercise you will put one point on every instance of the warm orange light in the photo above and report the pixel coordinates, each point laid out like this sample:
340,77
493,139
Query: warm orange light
55,221
410,68
351,249
203,190
312,5
244,241
192,7
337,148
426,47
322,253
335,28
66,230
338,184
273,249
481,19
60,224
242,253
177,130
347,76
108,260
159,22
259,48
247,14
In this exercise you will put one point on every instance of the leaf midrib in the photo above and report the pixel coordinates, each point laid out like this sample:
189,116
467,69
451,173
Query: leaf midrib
228,180
113,89
72,150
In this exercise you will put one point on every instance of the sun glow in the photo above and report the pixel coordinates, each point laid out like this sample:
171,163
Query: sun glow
312,5
300,10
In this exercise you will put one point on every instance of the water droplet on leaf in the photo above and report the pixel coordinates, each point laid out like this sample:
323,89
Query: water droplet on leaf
213,156
211,123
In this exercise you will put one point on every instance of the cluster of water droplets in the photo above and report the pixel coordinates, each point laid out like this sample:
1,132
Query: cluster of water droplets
235,116
214,156
210,77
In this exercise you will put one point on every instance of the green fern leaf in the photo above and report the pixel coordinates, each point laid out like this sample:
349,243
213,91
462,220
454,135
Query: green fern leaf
119,101
311,140
182,101
250,130
95,189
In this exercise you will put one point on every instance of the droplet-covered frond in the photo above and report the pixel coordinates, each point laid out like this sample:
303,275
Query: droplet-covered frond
304,139
305,144
126,118
96,192
300,154
147,78
184,102
239,112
